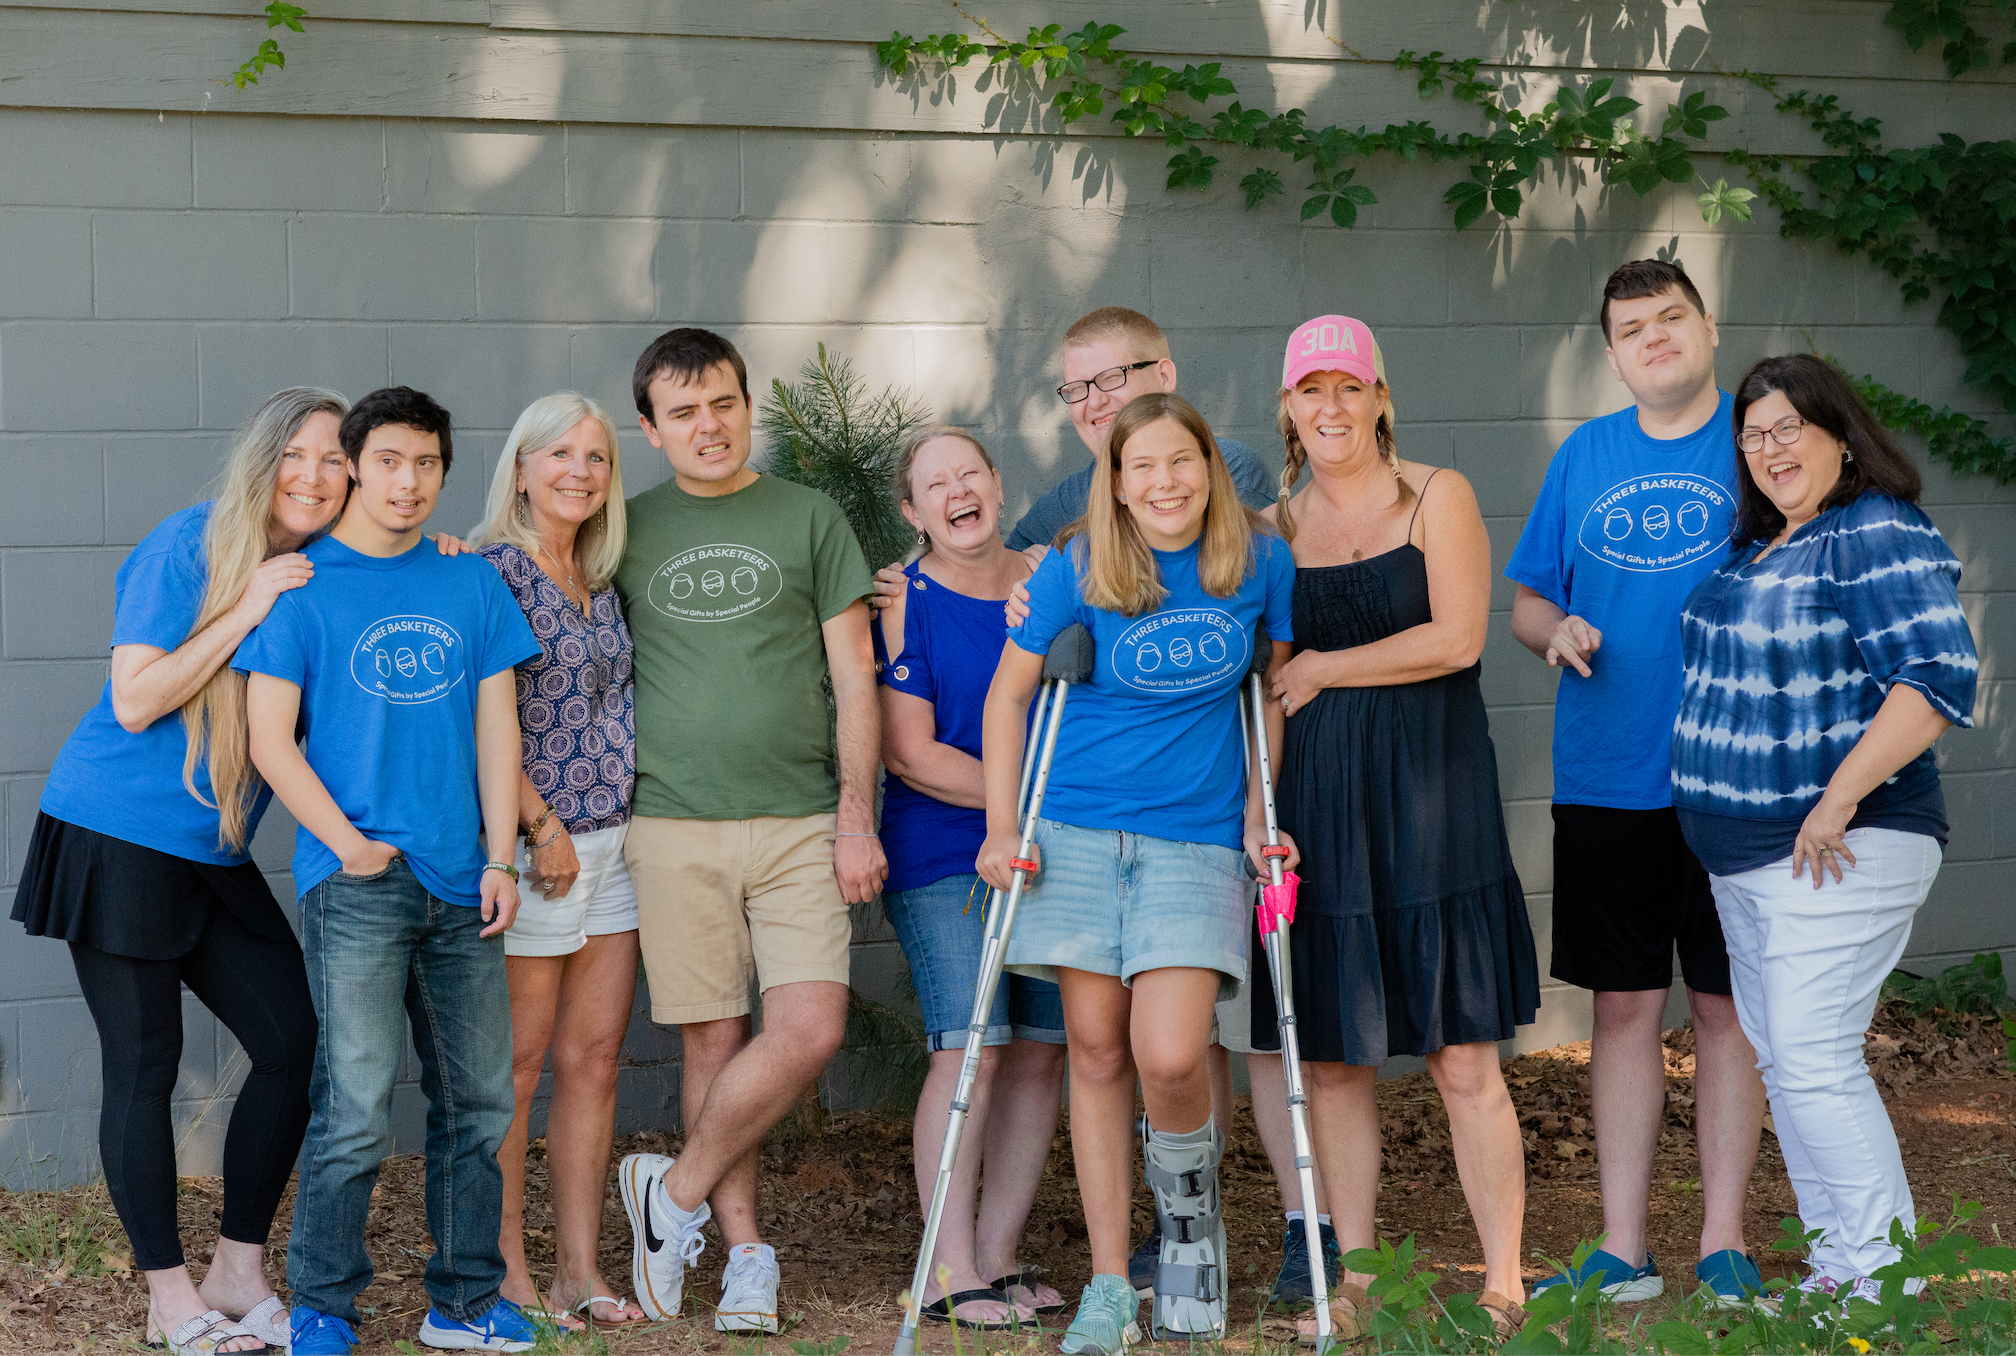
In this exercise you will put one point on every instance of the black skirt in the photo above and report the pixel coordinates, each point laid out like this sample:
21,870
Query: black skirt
86,887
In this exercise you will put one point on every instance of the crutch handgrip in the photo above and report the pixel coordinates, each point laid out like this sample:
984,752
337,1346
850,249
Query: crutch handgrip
1277,903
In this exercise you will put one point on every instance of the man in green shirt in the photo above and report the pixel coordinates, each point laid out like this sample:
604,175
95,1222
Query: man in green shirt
746,843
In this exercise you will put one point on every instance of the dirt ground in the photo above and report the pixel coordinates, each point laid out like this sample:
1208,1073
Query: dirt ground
840,1207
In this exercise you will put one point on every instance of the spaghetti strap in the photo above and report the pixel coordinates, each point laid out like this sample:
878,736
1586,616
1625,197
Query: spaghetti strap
1421,496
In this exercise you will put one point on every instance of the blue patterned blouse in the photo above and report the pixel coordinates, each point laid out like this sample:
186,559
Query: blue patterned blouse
576,715
1787,660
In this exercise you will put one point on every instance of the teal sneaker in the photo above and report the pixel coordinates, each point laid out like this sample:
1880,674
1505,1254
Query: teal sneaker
1622,1282
1731,1279
1105,1323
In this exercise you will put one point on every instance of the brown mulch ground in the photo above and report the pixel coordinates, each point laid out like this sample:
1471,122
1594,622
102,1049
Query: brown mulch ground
839,1204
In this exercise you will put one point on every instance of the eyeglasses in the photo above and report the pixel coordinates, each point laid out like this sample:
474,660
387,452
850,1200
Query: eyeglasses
1785,433
1112,379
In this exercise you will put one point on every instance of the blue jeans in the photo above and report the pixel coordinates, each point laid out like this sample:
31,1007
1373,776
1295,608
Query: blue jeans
942,930
375,945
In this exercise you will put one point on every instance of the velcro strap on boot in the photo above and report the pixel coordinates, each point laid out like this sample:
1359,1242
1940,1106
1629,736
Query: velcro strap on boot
1180,1281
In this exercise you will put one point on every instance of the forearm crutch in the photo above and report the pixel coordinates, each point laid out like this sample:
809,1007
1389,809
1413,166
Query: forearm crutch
1277,912
1069,661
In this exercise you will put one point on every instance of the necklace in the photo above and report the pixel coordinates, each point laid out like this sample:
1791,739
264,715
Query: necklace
570,586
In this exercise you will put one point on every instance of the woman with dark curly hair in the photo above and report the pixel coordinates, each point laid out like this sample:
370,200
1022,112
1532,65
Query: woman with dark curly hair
1823,659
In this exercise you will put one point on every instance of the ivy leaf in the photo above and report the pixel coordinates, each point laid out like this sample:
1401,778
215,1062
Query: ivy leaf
1645,164
1191,169
1314,205
1469,198
1260,185
895,53
1722,198
1203,83
1692,116
1343,197
1239,125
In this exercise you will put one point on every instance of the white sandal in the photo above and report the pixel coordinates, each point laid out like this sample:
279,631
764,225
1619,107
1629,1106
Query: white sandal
202,1335
267,1322
618,1304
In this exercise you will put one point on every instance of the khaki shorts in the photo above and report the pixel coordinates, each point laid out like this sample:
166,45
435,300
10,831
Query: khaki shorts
724,901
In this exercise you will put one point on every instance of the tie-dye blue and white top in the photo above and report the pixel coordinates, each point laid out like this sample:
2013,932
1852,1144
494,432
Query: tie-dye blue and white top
1787,660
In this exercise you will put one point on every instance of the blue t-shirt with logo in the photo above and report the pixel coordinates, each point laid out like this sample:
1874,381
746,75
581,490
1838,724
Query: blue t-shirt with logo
1151,744
388,652
129,786
1625,526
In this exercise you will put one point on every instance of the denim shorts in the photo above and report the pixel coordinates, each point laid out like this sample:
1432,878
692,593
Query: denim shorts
942,930
1115,903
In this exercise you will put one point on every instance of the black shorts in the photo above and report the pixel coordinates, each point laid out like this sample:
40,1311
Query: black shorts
1627,891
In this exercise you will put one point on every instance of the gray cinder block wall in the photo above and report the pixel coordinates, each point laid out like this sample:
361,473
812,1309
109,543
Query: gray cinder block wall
493,199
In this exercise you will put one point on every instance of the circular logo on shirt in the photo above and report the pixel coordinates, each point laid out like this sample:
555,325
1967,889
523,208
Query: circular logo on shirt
1652,523
408,660
715,583
1181,651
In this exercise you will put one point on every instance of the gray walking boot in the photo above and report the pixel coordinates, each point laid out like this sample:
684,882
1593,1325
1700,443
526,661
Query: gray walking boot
1182,1171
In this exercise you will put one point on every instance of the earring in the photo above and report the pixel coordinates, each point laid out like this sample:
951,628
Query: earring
922,540
1847,455
524,509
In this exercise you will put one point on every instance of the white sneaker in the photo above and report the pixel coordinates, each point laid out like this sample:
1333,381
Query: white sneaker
748,1290
663,1242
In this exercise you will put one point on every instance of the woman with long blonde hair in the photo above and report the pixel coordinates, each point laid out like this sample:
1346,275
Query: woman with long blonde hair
1140,905
554,530
1411,936
138,860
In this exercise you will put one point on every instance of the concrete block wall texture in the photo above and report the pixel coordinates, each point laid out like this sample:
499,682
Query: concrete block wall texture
172,251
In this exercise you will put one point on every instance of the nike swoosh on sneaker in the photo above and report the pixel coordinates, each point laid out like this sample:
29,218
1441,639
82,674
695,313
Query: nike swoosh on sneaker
652,1242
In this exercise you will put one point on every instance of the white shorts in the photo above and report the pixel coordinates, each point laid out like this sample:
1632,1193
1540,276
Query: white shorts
601,900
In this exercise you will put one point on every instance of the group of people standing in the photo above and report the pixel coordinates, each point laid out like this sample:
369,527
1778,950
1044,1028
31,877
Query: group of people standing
1760,641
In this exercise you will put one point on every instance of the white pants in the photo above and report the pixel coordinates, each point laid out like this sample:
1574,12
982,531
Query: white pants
1807,966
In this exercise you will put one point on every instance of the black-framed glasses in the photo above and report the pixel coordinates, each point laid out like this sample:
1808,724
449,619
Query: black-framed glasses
1112,379
1785,433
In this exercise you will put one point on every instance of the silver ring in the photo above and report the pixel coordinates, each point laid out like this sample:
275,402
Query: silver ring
1284,703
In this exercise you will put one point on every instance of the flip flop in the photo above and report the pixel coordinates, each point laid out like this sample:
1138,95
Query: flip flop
941,1311
618,1304
1027,1279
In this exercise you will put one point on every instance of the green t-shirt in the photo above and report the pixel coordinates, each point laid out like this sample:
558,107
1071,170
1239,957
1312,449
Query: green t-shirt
725,598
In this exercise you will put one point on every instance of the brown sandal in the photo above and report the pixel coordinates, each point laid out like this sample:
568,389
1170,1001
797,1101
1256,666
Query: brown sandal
1351,1311
1507,1317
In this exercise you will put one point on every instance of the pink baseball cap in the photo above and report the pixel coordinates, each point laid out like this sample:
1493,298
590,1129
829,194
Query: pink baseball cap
1332,343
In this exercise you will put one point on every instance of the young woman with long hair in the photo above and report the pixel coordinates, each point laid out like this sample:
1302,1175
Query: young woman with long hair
138,860
1140,906
554,529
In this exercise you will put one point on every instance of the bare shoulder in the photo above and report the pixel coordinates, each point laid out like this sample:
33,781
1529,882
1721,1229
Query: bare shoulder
1271,515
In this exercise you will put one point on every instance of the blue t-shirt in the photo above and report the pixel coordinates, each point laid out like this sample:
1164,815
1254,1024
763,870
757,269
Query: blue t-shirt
1625,526
129,786
951,646
387,652
1065,502
1151,744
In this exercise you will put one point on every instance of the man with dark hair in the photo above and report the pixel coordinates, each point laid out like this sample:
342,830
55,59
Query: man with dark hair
747,844
394,666
1634,512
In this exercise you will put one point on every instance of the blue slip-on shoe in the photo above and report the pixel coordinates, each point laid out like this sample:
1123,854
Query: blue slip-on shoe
1141,1265
504,1328
1292,1288
1106,1323
310,1332
1622,1282
1731,1278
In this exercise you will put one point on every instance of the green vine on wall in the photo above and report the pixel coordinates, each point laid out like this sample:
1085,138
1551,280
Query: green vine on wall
1868,200
1965,47
1090,75
278,14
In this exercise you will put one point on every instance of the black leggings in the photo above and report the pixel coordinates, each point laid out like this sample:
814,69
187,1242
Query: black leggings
259,990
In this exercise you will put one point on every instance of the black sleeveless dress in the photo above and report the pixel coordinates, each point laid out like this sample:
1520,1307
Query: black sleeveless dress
1411,930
